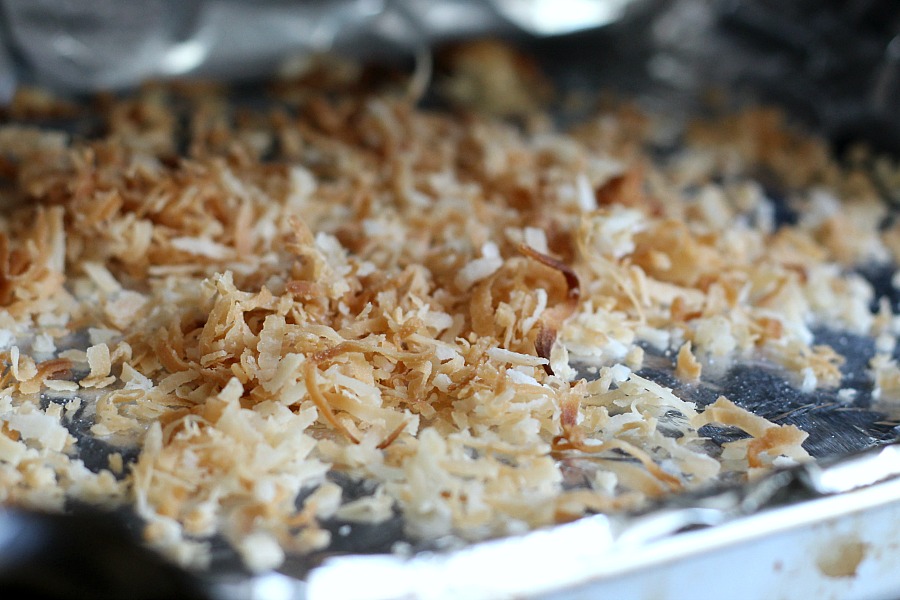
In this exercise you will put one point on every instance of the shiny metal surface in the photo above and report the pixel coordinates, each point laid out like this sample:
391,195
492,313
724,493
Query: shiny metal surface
826,531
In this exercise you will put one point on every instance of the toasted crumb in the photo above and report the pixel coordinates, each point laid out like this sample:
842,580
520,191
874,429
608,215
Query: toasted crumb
493,76
351,283
116,465
687,366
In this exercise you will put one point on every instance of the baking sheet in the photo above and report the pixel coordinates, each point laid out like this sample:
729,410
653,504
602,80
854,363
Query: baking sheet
666,56
786,536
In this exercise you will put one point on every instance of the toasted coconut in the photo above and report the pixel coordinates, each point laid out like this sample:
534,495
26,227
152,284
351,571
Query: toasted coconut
687,366
552,319
408,297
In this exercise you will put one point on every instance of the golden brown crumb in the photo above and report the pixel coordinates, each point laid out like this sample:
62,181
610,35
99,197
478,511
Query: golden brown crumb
403,295
492,76
687,366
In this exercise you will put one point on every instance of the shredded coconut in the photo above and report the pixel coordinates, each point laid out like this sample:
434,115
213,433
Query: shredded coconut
407,298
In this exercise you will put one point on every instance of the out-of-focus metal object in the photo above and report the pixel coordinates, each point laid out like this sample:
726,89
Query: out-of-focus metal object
835,63
85,45
102,43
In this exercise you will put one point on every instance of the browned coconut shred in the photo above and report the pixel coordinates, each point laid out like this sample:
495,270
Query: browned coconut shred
401,295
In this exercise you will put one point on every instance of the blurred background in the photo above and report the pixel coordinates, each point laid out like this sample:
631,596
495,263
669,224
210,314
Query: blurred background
834,64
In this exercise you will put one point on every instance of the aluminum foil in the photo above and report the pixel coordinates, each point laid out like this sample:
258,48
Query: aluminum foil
850,504
825,528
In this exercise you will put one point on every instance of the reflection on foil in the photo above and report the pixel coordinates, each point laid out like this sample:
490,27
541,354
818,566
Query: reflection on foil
542,560
857,471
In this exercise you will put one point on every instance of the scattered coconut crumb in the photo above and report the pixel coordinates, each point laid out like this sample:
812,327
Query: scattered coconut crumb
846,395
261,552
406,296
116,464
885,374
687,366
98,359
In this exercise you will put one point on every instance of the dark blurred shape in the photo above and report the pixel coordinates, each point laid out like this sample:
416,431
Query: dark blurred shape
837,62
85,555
